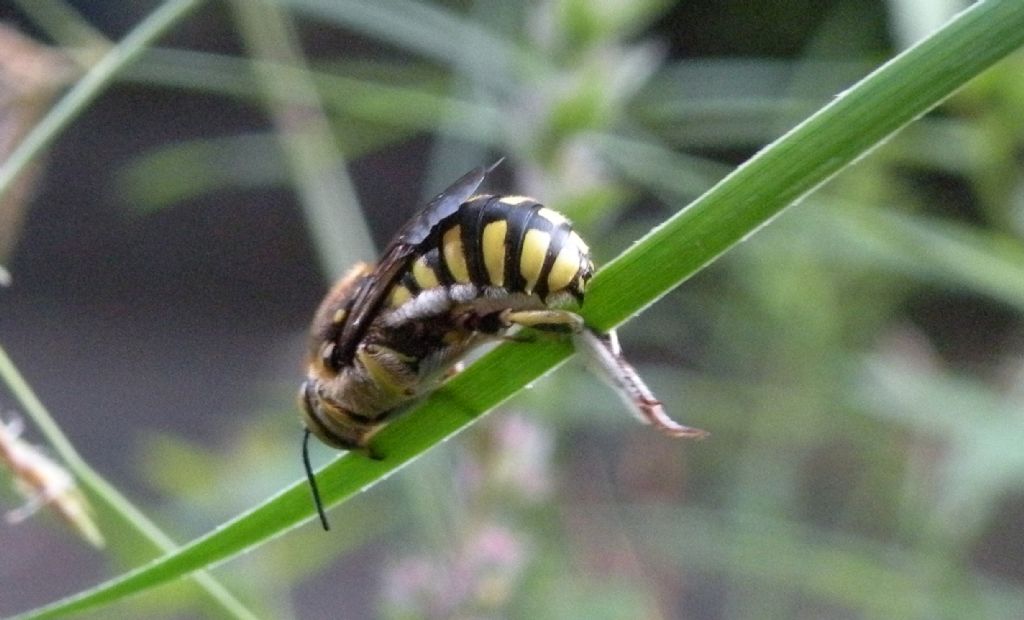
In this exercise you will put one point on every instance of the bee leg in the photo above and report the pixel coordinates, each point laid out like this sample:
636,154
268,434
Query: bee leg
546,320
364,446
605,358
388,369
520,338
366,450
454,369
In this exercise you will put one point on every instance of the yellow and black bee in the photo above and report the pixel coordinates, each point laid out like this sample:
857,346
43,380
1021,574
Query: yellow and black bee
466,270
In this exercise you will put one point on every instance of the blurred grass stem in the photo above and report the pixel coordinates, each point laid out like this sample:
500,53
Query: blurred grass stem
106,496
89,87
333,218
85,44
78,98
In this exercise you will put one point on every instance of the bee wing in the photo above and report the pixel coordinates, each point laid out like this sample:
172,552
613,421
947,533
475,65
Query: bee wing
444,204
396,257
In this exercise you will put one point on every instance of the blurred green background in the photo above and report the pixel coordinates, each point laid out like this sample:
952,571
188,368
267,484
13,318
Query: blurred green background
859,362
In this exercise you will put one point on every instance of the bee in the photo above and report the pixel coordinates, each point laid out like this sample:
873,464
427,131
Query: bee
468,269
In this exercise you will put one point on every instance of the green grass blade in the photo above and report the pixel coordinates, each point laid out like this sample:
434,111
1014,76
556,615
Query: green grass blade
122,515
94,82
805,157
322,183
795,164
90,86
946,253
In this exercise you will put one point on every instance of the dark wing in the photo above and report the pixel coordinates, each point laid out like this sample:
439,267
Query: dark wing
444,204
396,258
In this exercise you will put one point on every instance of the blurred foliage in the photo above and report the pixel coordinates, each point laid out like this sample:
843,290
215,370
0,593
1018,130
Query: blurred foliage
859,361
31,75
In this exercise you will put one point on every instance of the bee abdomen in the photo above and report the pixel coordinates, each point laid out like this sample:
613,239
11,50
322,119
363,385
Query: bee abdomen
505,243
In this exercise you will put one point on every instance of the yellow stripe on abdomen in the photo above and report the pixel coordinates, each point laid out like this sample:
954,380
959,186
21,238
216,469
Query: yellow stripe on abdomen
494,251
531,258
515,201
455,255
577,241
399,295
424,274
564,269
556,218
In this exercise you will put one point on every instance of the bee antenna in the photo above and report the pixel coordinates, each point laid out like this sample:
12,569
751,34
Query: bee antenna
312,481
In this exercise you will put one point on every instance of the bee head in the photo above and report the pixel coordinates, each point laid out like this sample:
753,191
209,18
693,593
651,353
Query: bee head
326,419
333,425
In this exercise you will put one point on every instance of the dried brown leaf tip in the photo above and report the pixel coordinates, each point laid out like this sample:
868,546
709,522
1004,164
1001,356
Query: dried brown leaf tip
44,483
